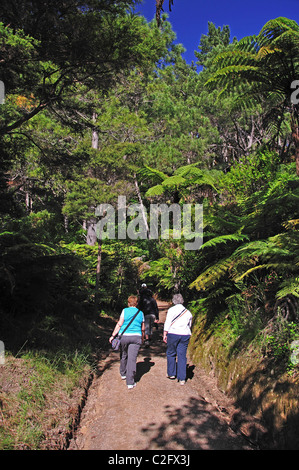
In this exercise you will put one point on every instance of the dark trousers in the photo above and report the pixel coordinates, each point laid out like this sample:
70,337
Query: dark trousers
148,323
177,355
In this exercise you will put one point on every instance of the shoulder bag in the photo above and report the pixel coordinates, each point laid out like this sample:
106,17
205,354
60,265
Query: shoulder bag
178,316
115,343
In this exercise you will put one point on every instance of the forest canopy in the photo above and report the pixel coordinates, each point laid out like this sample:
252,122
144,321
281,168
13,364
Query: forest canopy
99,103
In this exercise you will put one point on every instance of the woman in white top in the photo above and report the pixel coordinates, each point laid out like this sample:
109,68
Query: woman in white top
177,332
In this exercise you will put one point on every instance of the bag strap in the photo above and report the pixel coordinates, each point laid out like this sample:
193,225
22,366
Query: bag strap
178,316
132,319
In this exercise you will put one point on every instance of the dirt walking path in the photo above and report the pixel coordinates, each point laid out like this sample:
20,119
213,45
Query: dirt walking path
158,414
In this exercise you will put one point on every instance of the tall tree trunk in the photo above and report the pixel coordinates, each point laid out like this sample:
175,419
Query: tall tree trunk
91,227
95,135
66,223
98,272
142,207
28,200
91,223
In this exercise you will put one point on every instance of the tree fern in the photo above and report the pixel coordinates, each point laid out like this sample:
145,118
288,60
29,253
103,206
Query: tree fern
224,239
213,274
289,287
152,174
184,177
157,190
277,253
173,182
264,66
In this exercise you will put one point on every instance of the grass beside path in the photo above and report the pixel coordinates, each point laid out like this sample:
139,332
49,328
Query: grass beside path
43,387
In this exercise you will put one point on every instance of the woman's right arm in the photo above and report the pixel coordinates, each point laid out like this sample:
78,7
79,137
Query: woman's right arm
117,328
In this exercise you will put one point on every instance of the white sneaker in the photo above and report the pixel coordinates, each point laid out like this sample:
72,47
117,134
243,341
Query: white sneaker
123,377
182,382
131,386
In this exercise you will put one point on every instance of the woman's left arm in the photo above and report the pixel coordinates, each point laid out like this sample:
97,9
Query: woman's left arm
166,327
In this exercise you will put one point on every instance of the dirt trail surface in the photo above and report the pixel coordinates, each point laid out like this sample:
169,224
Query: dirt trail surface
158,414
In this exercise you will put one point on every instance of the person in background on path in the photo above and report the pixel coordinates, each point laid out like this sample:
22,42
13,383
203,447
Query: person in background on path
149,306
131,340
177,332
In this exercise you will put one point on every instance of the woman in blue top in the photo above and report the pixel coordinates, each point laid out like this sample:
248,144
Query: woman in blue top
131,340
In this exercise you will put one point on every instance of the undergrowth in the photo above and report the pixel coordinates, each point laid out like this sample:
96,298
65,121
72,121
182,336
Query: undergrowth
37,391
43,381
240,328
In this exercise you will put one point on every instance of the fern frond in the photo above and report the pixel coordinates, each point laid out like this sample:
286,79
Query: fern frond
157,190
235,55
237,71
274,28
224,239
291,224
186,176
249,271
189,170
261,249
173,181
152,174
211,275
265,64
289,287
265,51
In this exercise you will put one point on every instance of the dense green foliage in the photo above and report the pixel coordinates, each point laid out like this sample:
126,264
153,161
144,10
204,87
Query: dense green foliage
109,108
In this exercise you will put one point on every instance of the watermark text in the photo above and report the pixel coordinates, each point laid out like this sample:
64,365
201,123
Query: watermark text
160,221
295,94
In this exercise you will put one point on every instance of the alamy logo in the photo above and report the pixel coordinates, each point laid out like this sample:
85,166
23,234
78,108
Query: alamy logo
2,92
295,94
186,222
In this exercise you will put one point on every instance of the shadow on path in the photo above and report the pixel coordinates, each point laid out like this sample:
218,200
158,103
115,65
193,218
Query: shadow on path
193,426
143,368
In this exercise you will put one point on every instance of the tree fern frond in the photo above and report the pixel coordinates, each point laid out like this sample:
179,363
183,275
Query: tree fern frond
235,55
207,178
265,51
229,224
189,170
37,248
186,176
287,39
279,267
238,278
290,224
157,190
261,249
211,275
274,28
151,173
233,70
248,44
173,181
289,287
224,239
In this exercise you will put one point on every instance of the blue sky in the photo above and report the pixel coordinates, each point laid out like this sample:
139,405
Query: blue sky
189,18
